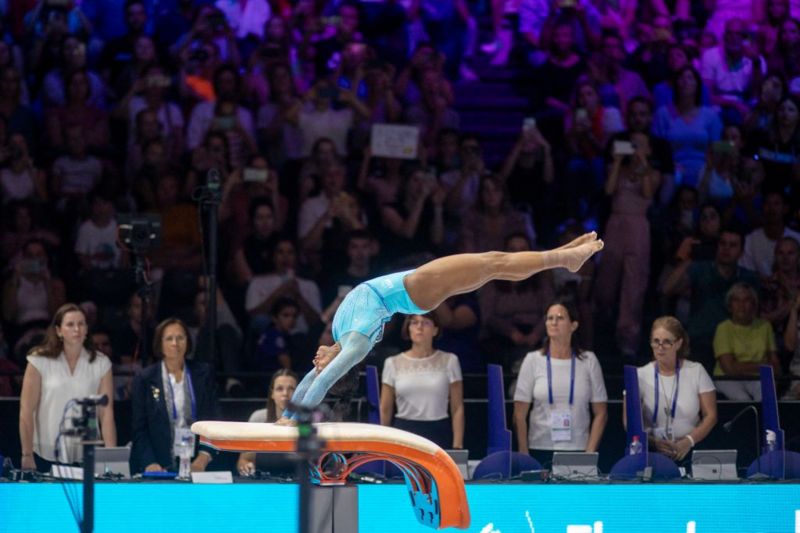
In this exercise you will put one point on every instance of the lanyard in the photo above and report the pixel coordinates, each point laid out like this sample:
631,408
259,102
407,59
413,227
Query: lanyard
550,379
188,377
674,396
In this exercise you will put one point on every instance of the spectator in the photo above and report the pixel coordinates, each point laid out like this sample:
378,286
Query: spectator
281,388
72,59
325,219
780,290
362,249
722,168
96,242
422,382
76,173
742,344
168,396
790,342
781,52
444,22
565,385
616,84
264,290
759,245
282,139
274,348
512,312
23,225
682,388
78,111
732,71
252,257
20,178
462,186
707,282
623,272
538,17
664,91
770,94
33,292
433,111
247,18
492,218
19,118
588,127
414,224
119,52
321,118
529,175
224,115
180,236
688,126
779,148
64,367
127,335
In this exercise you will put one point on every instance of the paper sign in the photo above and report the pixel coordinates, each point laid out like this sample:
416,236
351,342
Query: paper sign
393,140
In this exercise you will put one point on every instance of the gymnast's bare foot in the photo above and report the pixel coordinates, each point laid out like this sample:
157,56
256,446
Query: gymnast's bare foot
325,355
586,237
574,258
283,421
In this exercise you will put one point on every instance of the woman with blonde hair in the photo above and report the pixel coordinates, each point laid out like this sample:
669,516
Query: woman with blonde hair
679,402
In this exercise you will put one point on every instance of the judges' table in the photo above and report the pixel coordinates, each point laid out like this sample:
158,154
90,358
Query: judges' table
249,506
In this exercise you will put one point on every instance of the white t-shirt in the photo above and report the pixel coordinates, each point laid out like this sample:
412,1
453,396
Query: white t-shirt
331,123
532,388
422,386
78,176
32,301
169,116
16,186
202,118
261,287
759,251
100,244
59,387
259,415
694,381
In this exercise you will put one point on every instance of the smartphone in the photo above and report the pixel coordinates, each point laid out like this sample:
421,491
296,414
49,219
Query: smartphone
224,123
624,148
722,147
256,175
581,114
567,4
529,124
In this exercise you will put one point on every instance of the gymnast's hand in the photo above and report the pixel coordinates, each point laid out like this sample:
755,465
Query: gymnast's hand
325,355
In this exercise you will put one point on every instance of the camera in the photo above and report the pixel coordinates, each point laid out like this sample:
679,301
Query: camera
139,233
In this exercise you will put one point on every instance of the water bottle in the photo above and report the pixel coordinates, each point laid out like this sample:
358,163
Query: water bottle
771,441
636,446
185,455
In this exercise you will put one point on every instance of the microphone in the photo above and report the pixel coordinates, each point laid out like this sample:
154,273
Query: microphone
94,399
727,426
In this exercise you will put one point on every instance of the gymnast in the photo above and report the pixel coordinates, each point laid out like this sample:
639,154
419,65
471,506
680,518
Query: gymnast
358,323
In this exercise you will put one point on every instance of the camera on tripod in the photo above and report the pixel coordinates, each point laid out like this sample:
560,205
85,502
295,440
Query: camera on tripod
139,233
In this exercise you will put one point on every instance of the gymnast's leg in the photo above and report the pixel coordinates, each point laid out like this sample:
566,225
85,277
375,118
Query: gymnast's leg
434,282
312,390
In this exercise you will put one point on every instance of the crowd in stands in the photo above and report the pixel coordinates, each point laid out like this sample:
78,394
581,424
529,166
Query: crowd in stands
670,127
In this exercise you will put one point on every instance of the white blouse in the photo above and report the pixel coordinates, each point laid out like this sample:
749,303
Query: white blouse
58,387
422,386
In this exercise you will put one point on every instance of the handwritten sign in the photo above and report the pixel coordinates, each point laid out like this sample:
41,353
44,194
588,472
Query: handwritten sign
393,140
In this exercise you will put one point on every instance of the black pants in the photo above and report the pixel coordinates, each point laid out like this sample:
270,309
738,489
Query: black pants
438,431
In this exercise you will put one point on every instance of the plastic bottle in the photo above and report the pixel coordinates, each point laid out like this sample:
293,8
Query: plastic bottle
185,455
771,441
636,446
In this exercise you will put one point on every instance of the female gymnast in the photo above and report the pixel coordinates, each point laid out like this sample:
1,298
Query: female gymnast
358,323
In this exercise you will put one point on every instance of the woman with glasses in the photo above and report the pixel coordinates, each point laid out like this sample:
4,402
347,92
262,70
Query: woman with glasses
168,396
421,383
565,385
679,402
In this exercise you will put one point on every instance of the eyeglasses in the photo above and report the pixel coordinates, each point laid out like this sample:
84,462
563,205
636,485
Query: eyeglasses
424,322
662,343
